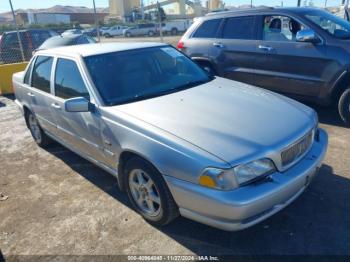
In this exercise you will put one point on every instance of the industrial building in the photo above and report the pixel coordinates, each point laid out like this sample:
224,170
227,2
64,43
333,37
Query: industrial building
173,8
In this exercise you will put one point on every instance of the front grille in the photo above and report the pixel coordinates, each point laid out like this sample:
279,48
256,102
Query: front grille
293,152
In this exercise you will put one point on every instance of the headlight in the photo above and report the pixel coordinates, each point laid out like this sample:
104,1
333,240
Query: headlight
232,178
253,170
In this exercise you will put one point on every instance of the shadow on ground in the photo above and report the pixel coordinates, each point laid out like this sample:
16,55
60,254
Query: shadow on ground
316,223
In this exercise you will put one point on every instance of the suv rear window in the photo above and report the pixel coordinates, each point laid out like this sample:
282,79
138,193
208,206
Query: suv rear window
239,28
208,29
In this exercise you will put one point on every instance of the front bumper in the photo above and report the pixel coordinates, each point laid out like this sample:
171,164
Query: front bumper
248,205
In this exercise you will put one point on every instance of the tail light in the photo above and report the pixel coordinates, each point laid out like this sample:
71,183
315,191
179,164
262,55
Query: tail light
180,45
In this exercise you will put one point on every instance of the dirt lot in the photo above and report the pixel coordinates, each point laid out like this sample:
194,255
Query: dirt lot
56,203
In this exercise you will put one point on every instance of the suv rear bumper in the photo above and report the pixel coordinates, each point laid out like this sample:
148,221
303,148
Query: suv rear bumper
248,205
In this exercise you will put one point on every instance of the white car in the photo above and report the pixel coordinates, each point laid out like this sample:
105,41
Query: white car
114,31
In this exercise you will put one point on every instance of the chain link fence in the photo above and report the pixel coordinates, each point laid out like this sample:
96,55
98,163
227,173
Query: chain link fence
30,24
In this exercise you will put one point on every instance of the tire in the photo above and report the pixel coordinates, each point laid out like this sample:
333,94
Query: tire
151,33
142,192
344,106
128,34
174,31
36,131
107,35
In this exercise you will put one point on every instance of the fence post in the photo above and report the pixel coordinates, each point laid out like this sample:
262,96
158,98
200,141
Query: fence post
18,36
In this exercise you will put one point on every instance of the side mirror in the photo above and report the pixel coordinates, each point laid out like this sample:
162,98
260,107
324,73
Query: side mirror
78,104
307,35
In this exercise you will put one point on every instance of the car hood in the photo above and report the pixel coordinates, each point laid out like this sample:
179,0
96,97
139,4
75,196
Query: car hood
228,119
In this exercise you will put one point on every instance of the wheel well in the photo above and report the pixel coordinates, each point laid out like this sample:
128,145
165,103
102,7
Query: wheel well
340,87
123,159
26,112
205,63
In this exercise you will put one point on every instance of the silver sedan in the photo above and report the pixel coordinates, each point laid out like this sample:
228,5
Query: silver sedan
179,140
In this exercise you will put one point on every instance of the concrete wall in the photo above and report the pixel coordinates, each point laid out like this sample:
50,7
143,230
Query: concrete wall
6,72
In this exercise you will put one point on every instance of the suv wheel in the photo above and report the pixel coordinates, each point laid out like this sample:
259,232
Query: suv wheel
344,106
107,35
38,134
148,192
128,34
150,33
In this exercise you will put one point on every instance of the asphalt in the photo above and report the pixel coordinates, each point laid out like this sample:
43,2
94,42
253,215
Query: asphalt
55,203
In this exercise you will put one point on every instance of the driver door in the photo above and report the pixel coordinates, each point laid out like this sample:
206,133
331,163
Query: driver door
285,65
81,130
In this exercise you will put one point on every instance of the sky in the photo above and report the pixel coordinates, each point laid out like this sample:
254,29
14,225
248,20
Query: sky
24,4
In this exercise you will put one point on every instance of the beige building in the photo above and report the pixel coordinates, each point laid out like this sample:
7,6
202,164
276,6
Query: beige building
214,4
122,7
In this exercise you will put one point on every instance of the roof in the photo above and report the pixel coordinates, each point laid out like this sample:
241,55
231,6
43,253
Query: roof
261,10
98,48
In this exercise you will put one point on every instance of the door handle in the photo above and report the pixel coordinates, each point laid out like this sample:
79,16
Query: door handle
56,106
219,45
30,94
266,48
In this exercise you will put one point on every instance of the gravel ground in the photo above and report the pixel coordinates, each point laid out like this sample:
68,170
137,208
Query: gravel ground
55,203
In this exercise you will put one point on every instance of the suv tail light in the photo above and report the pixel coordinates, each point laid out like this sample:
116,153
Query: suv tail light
180,45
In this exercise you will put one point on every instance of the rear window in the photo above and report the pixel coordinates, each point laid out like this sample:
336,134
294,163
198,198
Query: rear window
208,29
38,37
9,39
239,28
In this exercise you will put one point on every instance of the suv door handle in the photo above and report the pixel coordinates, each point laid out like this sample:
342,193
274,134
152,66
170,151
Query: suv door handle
30,94
56,106
219,45
266,48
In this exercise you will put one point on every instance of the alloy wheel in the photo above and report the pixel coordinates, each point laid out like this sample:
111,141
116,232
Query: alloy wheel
144,192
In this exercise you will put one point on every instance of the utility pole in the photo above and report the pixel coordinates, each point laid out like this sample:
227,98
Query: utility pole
299,2
142,10
160,22
96,23
251,3
18,36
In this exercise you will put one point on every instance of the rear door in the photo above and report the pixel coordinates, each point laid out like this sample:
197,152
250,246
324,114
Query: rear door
285,65
198,46
79,130
234,49
39,93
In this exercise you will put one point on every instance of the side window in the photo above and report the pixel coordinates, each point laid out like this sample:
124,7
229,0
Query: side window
280,28
27,75
208,29
42,73
68,81
239,28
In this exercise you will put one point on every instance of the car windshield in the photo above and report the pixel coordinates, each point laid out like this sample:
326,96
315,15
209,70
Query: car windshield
134,75
332,24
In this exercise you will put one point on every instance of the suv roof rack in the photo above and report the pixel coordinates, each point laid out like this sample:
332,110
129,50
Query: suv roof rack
228,11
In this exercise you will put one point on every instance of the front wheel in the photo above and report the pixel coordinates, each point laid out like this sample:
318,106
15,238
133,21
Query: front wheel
150,33
344,106
38,134
148,192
